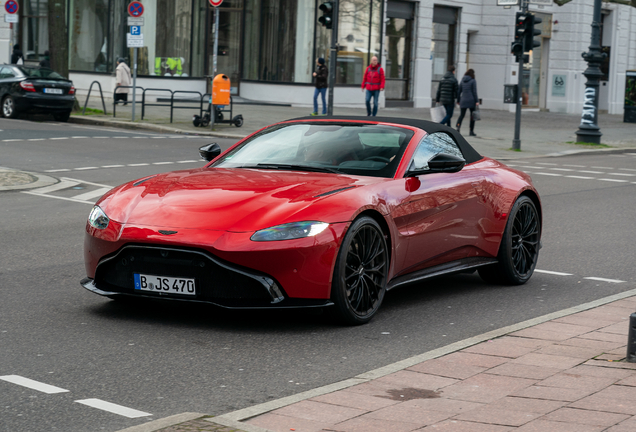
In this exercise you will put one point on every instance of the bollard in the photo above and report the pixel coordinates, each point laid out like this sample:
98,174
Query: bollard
631,339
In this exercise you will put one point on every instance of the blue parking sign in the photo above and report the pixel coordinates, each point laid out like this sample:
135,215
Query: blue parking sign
135,30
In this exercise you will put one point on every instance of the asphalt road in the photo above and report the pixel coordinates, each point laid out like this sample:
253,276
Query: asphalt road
162,359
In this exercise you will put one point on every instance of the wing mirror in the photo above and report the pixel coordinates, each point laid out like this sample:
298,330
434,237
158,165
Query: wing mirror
440,163
209,151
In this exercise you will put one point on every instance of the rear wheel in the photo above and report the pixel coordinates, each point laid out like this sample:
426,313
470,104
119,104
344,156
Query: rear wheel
359,281
519,248
62,117
8,107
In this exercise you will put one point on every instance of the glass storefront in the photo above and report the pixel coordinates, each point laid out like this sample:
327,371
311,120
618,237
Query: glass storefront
35,28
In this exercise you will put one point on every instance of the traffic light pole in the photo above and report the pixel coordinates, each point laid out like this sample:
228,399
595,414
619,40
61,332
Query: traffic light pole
333,56
516,142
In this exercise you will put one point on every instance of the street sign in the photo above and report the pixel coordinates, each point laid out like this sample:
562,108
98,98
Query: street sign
11,6
11,18
541,2
134,41
508,2
216,3
132,21
135,9
135,30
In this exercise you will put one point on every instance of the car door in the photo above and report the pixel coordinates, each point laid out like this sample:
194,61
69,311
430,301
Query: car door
443,209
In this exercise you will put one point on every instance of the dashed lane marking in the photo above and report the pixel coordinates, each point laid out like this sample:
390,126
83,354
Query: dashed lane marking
32,384
604,279
547,163
553,272
614,180
549,174
113,408
581,177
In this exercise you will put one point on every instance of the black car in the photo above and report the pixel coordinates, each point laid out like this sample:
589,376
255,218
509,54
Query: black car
25,89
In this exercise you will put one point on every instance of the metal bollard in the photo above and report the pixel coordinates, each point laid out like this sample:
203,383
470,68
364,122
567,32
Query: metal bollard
631,339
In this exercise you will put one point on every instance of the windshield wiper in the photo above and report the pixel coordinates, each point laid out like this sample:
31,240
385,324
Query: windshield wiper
292,167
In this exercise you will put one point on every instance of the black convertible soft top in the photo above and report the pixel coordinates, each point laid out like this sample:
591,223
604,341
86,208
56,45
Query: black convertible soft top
470,154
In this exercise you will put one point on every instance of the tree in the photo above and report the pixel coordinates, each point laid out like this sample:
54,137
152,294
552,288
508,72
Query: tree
58,36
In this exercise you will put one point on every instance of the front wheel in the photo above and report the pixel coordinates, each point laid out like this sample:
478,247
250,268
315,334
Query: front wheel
519,248
8,108
359,280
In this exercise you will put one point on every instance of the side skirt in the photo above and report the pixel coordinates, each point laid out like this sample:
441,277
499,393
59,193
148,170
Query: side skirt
439,270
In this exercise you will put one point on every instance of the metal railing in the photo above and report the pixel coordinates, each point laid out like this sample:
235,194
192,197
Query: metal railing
115,102
144,104
172,101
101,94
204,100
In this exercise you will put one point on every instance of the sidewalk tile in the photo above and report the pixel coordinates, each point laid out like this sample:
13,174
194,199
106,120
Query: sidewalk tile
602,346
607,337
601,372
595,418
410,379
463,426
570,351
614,399
354,400
368,424
446,405
583,320
551,426
552,393
607,364
409,412
500,348
628,381
486,388
443,367
479,360
319,412
493,415
628,425
612,357
553,331
523,371
539,406
280,423
550,361
620,328
568,380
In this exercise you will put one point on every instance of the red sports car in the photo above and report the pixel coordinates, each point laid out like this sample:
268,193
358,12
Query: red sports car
313,213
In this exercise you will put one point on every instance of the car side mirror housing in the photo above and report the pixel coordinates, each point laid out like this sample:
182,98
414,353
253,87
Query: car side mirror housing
210,151
441,163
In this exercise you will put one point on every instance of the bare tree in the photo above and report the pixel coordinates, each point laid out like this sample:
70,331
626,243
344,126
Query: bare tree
58,36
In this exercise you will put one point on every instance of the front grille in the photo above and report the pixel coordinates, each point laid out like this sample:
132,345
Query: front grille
216,280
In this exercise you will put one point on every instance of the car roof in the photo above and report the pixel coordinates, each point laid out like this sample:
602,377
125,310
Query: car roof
470,154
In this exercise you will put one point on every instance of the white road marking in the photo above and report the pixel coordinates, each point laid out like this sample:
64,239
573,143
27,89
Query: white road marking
59,138
113,408
627,169
552,272
623,174
92,194
591,172
550,174
58,197
104,137
604,280
57,186
190,161
121,137
84,168
162,163
57,170
574,166
79,137
561,169
112,166
86,182
615,180
597,167
546,163
12,140
581,177
36,139
138,164
35,385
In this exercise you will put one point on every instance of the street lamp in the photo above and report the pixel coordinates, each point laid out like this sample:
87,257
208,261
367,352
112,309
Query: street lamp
589,131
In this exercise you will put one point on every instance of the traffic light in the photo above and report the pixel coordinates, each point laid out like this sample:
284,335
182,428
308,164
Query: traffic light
521,20
531,32
327,14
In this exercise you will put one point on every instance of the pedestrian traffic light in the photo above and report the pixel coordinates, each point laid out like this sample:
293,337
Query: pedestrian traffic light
327,14
531,32
516,48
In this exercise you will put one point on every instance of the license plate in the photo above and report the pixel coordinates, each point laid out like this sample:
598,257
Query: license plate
53,91
164,284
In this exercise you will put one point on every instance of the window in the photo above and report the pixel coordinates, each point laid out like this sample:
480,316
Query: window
431,146
6,73
35,28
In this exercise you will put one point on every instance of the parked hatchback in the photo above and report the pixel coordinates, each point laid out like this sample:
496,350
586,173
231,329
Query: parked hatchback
25,89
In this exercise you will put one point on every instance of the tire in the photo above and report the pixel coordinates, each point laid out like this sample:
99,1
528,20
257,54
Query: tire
238,121
8,108
62,117
360,275
519,248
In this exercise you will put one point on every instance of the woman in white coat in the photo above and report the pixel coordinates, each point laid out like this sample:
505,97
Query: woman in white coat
122,78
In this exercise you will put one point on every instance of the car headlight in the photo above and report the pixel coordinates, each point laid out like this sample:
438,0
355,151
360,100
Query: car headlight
98,219
290,231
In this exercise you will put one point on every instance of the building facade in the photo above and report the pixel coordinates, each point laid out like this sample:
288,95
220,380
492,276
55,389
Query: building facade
268,48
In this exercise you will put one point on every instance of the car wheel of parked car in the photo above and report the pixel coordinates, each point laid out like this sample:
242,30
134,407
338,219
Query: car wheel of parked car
519,248
62,117
359,281
8,108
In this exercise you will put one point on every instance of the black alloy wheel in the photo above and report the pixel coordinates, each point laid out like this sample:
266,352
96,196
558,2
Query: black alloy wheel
8,108
519,248
359,281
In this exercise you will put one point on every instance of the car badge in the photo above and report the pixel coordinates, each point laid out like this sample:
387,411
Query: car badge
164,232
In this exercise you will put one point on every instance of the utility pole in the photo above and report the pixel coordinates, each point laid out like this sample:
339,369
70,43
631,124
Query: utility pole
589,131
516,142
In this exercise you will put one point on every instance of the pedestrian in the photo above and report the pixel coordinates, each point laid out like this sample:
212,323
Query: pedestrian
373,83
122,74
46,60
468,99
447,94
321,75
17,54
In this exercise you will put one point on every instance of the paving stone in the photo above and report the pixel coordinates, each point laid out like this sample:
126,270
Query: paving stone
621,328
280,423
493,415
446,405
568,380
443,367
550,361
570,351
601,372
198,425
369,424
538,406
572,415
551,426
607,364
486,388
552,393
628,381
355,400
587,321
408,379
500,348
472,359
410,412
607,337
601,346
320,412
522,341
523,371
626,426
614,399
548,335
611,357
464,426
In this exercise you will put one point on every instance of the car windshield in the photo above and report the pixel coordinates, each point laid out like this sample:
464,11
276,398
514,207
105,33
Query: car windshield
348,148
33,72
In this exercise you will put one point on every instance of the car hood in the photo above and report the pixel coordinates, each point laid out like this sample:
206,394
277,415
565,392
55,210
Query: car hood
239,200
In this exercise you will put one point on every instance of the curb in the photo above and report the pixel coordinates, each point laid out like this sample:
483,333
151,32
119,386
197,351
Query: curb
149,126
41,180
234,418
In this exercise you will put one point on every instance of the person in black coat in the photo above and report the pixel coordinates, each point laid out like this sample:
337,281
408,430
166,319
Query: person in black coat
447,94
321,75
46,60
468,99
17,54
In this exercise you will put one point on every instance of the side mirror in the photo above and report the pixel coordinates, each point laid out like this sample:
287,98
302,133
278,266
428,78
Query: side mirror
444,162
209,151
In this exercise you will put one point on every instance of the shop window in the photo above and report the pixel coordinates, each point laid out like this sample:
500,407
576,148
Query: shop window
89,35
35,29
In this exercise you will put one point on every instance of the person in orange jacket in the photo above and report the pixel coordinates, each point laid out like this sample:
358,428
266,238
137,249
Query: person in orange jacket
373,83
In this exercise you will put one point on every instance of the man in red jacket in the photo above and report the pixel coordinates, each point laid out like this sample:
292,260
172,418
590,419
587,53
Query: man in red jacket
373,83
